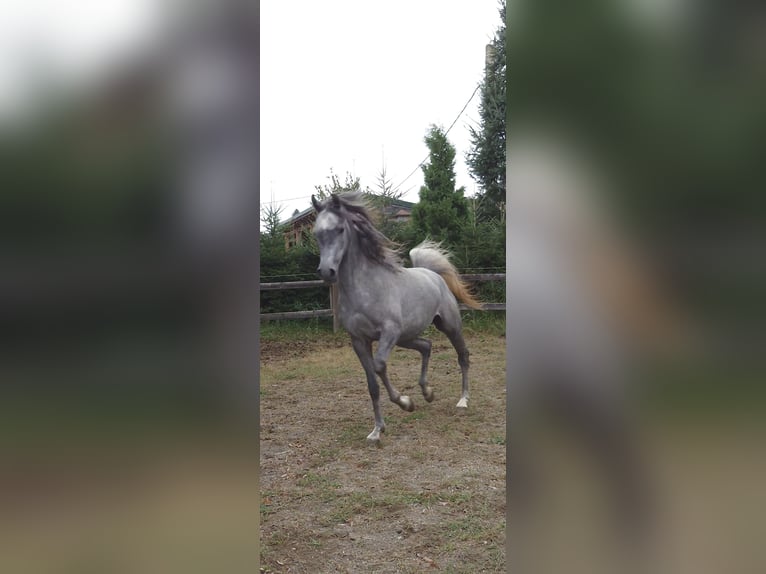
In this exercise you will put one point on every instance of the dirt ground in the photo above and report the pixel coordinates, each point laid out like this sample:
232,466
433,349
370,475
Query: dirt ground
430,498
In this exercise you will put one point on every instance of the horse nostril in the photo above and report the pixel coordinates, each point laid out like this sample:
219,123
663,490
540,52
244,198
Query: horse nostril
327,273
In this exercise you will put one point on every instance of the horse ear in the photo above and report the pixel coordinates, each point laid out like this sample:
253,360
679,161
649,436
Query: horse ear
335,200
316,204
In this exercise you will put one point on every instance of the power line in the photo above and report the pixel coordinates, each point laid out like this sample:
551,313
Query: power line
284,200
476,89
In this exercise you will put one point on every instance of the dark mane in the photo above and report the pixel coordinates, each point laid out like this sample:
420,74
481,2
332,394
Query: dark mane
375,246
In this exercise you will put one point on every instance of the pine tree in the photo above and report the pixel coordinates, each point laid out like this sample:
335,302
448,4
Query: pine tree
486,158
270,215
442,210
381,198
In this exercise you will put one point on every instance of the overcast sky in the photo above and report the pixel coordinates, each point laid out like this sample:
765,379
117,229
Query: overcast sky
348,85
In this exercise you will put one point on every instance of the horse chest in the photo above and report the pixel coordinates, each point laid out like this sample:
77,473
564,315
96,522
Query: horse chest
362,321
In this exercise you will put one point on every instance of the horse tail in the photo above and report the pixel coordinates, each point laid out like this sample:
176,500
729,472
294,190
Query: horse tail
431,255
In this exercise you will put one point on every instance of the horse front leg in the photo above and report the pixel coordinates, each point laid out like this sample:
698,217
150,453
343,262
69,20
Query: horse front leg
363,350
385,346
423,346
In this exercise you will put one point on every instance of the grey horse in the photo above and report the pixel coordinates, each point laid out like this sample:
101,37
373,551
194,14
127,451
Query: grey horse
380,300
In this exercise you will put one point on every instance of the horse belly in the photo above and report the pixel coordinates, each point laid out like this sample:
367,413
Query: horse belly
415,318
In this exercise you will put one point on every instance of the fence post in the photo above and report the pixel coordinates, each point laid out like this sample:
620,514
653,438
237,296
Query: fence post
334,307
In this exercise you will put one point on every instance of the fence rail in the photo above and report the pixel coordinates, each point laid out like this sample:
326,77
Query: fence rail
289,285
292,285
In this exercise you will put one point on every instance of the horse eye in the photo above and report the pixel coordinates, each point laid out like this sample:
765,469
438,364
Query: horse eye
342,229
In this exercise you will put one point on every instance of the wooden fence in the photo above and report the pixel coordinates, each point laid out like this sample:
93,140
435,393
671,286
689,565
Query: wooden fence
331,312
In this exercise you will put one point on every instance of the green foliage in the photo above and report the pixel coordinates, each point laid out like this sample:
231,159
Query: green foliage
385,191
443,214
350,183
482,244
270,215
381,199
443,210
296,264
290,330
486,158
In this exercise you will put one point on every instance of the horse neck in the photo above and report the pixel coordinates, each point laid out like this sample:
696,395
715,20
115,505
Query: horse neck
356,270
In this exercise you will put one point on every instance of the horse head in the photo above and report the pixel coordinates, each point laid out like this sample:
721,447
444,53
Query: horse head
331,232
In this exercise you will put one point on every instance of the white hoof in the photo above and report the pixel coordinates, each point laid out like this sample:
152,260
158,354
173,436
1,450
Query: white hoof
406,403
428,395
462,403
374,437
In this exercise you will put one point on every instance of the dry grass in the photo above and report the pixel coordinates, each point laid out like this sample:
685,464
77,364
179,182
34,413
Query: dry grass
433,495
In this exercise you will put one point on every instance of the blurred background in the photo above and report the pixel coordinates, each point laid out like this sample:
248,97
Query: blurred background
129,218
636,277
128,225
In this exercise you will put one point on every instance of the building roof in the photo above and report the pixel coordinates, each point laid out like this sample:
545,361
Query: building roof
298,216
400,203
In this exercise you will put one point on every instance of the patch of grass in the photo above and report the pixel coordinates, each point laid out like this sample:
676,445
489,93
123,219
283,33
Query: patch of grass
486,322
431,332
267,508
355,433
317,487
374,505
459,498
322,457
469,528
405,499
496,557
288,330
311,332
325,368
313,480
336,515
278,538
418,455
414,416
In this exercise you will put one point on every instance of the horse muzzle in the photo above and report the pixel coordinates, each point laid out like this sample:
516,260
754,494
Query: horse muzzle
328,275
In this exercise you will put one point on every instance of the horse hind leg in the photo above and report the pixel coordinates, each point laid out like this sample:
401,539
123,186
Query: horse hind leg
423,346
452,328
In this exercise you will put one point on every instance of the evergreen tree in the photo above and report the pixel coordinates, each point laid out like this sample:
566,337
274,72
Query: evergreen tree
486,158
442,210
385,189
381,199
270,215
